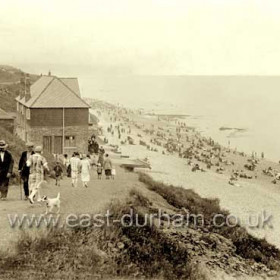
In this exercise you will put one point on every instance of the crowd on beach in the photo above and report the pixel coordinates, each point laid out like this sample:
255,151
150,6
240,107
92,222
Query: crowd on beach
172,137
33,168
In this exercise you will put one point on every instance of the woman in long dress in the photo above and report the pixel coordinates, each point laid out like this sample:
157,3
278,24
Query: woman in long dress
85,168
107,166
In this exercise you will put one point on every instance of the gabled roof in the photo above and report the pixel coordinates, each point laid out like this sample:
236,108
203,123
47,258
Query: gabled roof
72,83
5,116
54,92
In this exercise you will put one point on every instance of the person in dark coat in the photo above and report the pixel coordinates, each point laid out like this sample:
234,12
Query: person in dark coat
95,147
6,169
23,169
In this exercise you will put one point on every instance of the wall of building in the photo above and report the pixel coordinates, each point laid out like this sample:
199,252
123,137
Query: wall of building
49,122
80,132
54,117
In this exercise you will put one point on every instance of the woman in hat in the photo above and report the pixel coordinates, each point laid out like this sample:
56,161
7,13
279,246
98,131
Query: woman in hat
6,169
75,163
85,167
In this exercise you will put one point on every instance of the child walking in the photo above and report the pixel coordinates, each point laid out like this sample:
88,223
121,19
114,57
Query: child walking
58,173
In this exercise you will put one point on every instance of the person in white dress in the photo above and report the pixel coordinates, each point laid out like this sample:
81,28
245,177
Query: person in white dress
85,168
75,166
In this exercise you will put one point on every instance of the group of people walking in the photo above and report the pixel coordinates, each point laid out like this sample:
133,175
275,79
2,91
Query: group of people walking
31,170
82,164
33,165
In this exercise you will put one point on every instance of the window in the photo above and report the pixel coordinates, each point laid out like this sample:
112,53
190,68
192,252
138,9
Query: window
70,141
28,114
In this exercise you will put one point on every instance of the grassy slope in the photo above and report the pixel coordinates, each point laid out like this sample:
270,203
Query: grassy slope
10,87
8,94
247,246
143,252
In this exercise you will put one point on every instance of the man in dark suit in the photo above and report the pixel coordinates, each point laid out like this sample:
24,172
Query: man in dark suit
23,169
6,169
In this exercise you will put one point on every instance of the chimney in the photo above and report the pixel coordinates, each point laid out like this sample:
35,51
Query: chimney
50,73
27,88
22,86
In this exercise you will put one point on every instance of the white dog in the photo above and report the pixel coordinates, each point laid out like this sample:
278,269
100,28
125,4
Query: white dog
51,203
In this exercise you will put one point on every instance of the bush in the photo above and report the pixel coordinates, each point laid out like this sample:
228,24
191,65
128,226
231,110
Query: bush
247,246
59,254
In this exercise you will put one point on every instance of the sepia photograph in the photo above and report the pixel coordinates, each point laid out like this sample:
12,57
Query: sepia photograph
140,139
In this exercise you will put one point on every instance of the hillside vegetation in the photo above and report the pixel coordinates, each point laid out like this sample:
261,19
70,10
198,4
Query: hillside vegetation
9,90
10,86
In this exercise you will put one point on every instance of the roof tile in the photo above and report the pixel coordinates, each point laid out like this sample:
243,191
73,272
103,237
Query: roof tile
53,92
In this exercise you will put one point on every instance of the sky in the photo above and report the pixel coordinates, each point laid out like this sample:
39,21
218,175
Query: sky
155,37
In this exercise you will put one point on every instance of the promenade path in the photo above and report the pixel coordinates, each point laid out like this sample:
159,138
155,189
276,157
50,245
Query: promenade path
80,200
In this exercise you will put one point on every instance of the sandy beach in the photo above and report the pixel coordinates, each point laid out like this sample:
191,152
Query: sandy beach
256,197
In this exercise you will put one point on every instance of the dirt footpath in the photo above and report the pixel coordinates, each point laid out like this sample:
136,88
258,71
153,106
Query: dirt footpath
80,200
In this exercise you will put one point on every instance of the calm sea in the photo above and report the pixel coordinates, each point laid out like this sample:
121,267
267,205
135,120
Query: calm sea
249,103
